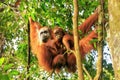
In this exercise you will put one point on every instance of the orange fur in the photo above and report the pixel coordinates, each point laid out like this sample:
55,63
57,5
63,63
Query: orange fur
85,45
34,26
43,52
68,41
58,62
85,27
51,55
71,63
46,52
44,57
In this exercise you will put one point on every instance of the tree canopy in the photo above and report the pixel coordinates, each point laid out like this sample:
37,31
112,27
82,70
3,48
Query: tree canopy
14,37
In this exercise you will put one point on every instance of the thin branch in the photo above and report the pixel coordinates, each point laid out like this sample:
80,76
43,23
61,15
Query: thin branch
85,70
28,66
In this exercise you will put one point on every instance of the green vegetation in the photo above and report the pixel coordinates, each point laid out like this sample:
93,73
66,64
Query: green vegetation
13,29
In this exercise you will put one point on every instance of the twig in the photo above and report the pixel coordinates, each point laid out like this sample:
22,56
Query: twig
85,70
28,66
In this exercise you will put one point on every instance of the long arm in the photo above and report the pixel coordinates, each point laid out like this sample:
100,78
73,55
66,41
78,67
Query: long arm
85,27
68,42
33,34
85,43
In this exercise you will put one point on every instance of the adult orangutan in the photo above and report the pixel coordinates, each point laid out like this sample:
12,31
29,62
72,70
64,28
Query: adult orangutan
44,47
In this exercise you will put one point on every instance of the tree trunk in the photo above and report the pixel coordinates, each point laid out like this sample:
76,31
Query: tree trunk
75,32
100,45
114,40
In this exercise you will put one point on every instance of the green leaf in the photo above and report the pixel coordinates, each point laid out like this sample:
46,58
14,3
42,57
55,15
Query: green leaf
1,60
21,6
14,72
3,77
33,16
8,66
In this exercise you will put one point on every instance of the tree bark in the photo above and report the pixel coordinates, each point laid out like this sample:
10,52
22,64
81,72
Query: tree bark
75,32
2,43
100,41
114,39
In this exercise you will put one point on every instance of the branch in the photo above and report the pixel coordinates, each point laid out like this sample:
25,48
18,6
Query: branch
75,32
12,7
85,70
29,48
100,42
2,43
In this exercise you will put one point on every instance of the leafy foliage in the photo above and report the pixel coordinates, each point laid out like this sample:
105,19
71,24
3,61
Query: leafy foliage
13,24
